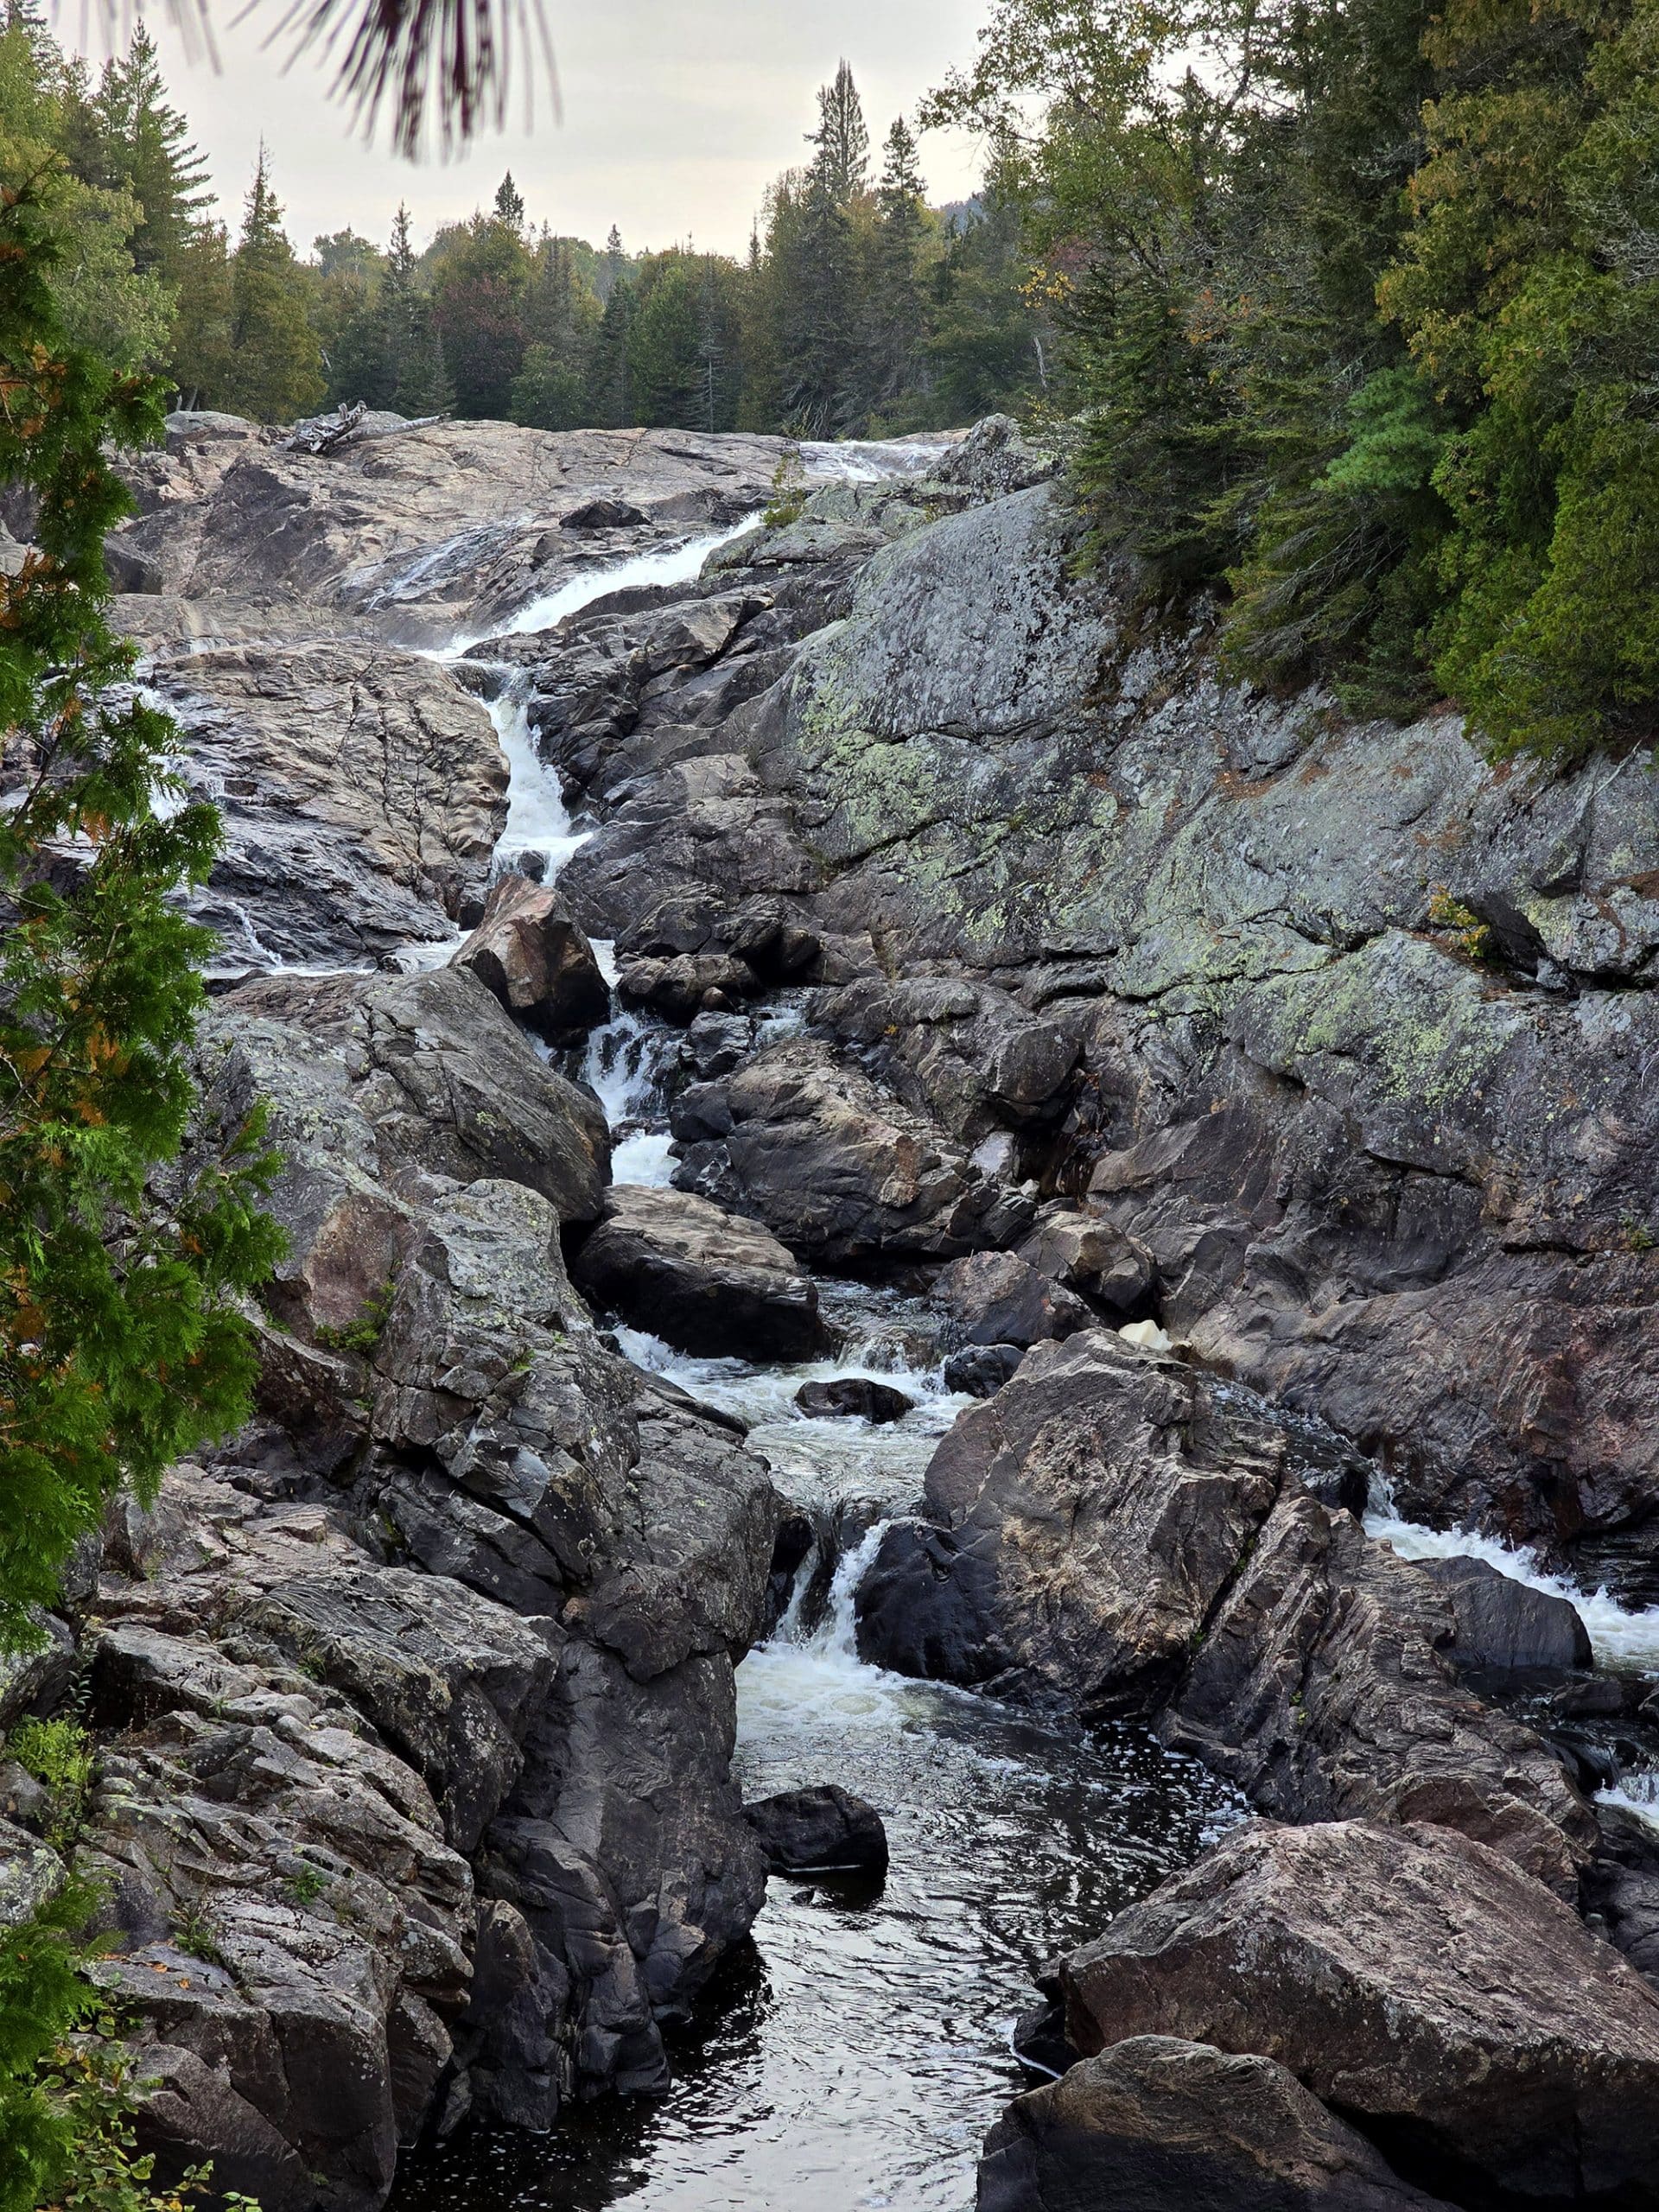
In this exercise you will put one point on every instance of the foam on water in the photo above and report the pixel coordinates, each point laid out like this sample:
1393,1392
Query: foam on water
1619,1638
537,819
1636,1792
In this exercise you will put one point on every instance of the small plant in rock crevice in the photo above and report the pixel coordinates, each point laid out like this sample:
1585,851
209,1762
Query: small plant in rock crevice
61,1757
362,1335
1464,927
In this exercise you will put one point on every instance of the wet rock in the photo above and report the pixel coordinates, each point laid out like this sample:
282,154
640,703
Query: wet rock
705,1281
842,1173
855,1394
532,956
679,989
1156,2122
982,1369
1413,1979
992,1298
819,1831
1122,1534
1504,1624
362,791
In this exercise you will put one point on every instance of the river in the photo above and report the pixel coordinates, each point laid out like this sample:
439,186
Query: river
855,2053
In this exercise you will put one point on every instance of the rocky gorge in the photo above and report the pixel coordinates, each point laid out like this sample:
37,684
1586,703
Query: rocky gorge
846,1103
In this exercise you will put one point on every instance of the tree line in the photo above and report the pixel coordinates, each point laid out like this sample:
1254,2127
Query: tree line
859,307
1360,309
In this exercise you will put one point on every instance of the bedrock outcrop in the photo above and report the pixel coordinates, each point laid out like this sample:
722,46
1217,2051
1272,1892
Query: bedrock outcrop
1115,1534
414,1705
1344,1031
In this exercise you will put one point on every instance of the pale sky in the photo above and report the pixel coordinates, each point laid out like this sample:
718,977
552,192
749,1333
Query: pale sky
676,115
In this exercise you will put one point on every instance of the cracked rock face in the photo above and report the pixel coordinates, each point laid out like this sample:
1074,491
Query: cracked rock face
1115,1534
1414,1980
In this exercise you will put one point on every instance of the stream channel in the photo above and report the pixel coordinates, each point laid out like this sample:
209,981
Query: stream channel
855,2053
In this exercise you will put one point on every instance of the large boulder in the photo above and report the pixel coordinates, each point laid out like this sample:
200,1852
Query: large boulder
844,1172
362,792
391,1076
1413,1979
530,954
703,1279
1507,1625
1154,2123
819,1831
1120,1534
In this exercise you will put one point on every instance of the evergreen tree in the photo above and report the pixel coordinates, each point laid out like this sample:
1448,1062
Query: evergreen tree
510,203
158,162
610,389
664,351
841,162
274,360
613,266
480,275
121,1343
898,304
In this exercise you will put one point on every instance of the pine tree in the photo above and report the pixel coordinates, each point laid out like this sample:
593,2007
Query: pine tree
610,389
161,166
275,364
896,296
510,203
613,266
841,161
664,364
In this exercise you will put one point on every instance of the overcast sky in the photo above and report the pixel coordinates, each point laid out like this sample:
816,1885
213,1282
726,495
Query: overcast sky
676,115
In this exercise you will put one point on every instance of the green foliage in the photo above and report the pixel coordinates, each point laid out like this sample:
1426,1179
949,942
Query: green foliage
1360,306
362,1335
788,489
276,361
58,1754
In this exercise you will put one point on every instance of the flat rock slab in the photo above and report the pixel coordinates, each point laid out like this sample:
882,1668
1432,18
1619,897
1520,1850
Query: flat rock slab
703,1279
1414,1980
1154,2124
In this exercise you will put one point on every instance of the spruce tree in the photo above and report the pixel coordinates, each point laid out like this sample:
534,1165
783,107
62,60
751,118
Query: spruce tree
510,203
610,390
275,364
897,297
160,164
842,160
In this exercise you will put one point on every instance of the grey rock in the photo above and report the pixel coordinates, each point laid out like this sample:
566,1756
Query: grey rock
992,1298
1504,1624
1120,1534
1155,2121
1414,1980
707,1282
839,1171
982,1369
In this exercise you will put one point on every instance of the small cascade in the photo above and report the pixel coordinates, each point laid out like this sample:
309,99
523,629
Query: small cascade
537,819
1629,1641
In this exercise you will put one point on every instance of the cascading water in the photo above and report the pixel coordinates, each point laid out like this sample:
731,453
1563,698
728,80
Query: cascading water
856,2054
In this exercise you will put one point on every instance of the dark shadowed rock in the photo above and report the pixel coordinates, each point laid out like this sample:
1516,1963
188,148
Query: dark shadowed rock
1503,1624
992,1298
1155,2123
819,1831
855,1394
704,1279
982,1369
1414,1980
531,956
681,987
